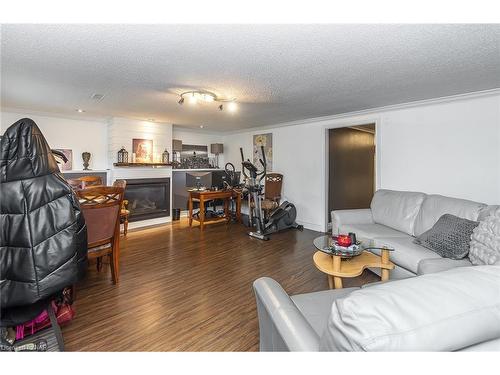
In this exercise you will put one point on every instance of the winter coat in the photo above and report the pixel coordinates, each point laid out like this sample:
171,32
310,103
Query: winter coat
43,243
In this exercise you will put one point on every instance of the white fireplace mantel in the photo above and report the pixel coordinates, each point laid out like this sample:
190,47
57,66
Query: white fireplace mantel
121,132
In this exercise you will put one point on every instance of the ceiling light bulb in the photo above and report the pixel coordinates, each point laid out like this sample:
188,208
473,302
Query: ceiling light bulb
232,107
208,98
201,126
193,99
79,110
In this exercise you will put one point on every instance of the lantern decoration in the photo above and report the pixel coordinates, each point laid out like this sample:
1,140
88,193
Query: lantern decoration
123,155
165,157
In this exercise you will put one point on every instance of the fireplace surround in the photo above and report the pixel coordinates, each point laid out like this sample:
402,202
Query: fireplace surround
148,198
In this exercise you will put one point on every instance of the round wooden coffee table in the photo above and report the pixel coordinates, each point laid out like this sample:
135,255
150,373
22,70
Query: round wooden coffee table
338,265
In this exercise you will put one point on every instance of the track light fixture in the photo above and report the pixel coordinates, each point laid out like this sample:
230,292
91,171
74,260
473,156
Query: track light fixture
200,96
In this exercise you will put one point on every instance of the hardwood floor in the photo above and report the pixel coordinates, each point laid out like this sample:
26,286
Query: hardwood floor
185,290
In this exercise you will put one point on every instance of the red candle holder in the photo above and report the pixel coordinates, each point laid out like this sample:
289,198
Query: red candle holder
344,240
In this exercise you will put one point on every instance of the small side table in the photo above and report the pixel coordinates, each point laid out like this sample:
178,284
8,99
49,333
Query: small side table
339,265
205,195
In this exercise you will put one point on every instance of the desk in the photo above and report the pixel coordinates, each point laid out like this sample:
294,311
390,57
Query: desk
181,183
208,195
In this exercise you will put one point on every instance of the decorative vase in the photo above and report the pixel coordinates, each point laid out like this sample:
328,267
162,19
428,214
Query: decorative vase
86,158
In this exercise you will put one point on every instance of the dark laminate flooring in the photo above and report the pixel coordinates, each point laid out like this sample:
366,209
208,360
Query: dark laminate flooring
184,290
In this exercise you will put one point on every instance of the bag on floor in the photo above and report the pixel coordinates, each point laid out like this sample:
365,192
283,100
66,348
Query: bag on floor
64,313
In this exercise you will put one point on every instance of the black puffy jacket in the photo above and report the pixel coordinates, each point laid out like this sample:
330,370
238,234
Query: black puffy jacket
43,244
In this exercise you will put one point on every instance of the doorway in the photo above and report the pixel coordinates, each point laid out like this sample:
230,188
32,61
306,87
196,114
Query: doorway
351,167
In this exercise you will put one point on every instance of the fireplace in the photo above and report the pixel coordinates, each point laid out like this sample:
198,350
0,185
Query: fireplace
148,198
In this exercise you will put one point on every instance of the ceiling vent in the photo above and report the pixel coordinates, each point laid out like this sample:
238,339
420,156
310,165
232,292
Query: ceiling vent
97,97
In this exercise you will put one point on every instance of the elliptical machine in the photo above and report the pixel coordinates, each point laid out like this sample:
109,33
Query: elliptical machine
283,217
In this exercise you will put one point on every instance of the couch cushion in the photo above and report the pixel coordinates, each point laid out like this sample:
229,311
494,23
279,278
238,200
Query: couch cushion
370,231
316,306
487,346
485,242
442,311
487,211
435,206
449,237
396,209
441,264
406,254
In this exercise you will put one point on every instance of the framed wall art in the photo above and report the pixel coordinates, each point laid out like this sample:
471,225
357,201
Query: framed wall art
265,140
68,166
143,150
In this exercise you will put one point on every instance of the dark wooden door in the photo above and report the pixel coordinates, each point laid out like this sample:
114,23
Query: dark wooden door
351,168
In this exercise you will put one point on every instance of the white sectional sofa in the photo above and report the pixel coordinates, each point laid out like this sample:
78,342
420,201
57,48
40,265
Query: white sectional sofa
423,313
397,217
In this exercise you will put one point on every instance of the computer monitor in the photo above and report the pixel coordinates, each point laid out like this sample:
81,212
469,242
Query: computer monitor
237,178
218,178
198,179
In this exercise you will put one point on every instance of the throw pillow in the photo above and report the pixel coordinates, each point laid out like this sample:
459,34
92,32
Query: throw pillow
450,237
485,243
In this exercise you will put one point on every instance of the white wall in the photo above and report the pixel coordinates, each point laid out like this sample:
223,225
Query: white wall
77,135
450,148
192,137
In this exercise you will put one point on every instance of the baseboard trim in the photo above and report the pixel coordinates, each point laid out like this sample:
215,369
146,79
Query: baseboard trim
311,226
149,223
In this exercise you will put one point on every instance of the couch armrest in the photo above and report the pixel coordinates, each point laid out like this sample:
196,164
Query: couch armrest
341,217
281,324
434,265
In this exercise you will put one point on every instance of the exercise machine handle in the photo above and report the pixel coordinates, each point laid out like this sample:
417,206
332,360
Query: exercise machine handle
243,163
264,164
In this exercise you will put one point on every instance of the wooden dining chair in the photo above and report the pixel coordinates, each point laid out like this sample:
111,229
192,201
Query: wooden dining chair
88,181
74,183
101,209
124,211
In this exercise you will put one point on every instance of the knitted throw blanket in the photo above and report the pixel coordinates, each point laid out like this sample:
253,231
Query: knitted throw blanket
485,241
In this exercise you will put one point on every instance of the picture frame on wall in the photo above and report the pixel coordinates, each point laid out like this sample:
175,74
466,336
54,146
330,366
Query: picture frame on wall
265,140
68,166
143,150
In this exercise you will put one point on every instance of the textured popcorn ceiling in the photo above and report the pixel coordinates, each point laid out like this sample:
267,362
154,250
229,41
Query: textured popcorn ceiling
278,73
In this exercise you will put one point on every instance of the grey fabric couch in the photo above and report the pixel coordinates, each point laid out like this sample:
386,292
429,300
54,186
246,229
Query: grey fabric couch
395,218
423,313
